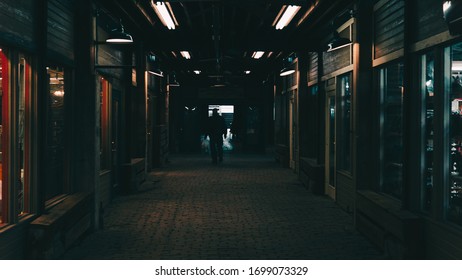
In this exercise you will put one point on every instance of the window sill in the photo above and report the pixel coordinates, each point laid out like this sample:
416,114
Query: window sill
26,218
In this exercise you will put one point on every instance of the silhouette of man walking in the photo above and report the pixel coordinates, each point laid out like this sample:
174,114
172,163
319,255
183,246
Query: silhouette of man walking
216,131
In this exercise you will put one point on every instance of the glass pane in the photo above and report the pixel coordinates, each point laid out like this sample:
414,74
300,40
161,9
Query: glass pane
331,140
392,143
345,122
55,132
428,126
455,137
21,91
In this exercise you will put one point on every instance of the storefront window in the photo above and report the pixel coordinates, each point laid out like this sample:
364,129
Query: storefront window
104,124
15,90
428,103
23,124
345,123
391,118
455,136
55,133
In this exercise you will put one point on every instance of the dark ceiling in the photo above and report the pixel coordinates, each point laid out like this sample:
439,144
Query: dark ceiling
222,35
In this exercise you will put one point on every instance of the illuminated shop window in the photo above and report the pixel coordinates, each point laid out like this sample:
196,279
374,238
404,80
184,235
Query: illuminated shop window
15,92
428,94
56,129
23,94
105,147
454,114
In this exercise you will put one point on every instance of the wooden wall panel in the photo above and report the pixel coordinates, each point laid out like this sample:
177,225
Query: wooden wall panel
345,192
313,67
388,27
340,58
109,55
12,242
442,241
335,60
61,28
18,22
428,20
105,186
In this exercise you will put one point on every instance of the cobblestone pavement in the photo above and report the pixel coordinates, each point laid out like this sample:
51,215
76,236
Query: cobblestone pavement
245,208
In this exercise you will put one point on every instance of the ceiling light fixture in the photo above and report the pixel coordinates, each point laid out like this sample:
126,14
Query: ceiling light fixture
338,42
285,15
118,36
197,72
247,72
185,54
286,71
165,13
258,54
287,64
158,73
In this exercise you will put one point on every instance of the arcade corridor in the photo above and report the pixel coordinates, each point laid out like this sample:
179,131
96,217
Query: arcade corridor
344,120
246,208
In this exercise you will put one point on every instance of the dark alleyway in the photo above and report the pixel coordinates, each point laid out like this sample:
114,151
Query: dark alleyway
246,208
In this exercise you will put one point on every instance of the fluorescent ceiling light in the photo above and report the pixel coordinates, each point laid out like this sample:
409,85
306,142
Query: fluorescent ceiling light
456,65
186,54
288,13
286,71
258,54
165,13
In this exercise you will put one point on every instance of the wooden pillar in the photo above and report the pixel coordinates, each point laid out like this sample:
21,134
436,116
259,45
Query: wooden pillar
363,172
140,103
42,95
84,107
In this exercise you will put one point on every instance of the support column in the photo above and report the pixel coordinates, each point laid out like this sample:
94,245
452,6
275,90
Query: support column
84,143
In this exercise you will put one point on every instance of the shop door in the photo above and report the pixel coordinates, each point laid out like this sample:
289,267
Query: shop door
330,144
115,130
293,143
149,130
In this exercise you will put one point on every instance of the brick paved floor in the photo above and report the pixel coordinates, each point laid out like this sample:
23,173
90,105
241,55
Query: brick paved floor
246,208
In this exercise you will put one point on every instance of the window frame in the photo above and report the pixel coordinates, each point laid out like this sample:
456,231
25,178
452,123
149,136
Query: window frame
17,79
345,131
382,78
64,189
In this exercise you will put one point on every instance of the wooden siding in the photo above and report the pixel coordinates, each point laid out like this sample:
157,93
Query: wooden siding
340,58
12,241
428,20
388,27
345,192
18,22
335,60
396,231
442,241
105,187
109,55
61,28
55,231
313,68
